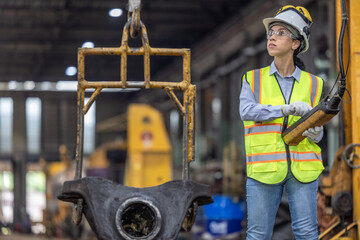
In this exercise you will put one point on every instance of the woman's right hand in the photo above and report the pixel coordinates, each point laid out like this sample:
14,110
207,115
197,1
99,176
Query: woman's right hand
300,108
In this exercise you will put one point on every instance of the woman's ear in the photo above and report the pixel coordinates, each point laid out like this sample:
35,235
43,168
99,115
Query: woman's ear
295,44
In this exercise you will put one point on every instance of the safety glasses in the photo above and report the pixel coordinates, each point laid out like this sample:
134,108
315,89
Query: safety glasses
280,34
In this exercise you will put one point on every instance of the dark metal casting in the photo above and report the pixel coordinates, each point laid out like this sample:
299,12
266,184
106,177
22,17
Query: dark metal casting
115,211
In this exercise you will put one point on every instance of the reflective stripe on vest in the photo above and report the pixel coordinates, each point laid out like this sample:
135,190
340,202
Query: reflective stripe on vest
315,82
265,150
256,84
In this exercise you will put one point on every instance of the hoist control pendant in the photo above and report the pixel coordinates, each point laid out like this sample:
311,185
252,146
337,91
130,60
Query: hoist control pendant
115,211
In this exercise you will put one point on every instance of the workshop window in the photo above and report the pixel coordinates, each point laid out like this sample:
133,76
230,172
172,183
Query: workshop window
36,198
6,124
7,195
89,129
33,125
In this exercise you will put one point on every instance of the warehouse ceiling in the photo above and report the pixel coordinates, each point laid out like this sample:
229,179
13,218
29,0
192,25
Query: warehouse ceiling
39,38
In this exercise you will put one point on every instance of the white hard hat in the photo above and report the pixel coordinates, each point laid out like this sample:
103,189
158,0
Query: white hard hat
298,18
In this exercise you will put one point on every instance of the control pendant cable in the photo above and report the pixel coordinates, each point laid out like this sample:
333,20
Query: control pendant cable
329,106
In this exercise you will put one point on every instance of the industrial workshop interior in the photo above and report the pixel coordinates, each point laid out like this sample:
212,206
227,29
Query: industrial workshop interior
122,119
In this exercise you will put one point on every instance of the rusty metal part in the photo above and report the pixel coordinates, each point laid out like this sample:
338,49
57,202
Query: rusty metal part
173,97
191,127
135,23
134,17
138,217
77,211
124,50
190,217
349,155
80,133
120,212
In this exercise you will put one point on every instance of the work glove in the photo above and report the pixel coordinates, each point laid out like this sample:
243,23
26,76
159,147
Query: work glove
287,110
300,108
313,133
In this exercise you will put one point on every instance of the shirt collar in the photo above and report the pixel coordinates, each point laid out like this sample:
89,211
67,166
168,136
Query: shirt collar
296,74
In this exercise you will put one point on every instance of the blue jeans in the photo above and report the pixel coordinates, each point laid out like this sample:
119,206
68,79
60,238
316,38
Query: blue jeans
263,202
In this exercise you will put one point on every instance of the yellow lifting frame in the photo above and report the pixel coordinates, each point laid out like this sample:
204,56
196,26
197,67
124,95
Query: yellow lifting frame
186,108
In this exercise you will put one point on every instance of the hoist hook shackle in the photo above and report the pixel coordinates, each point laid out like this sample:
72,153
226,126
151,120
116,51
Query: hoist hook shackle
134,17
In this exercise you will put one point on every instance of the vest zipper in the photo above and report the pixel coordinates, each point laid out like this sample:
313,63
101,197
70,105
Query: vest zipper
286,119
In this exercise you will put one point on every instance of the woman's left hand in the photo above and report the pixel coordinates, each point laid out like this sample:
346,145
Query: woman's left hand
313,133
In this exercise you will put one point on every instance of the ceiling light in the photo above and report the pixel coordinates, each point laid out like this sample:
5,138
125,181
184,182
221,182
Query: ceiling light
12,85
45,86
115,12
88,45
29,85
70,71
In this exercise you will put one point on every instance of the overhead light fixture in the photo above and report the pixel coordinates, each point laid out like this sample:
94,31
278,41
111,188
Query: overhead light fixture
115,12
29,85
45,86
12,85
88,45
70,71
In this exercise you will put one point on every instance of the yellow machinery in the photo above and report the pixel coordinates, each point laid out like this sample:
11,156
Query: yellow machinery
148,162
147,148
343,184
55,214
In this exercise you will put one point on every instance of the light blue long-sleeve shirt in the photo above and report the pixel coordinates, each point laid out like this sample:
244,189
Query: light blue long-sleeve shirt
250,110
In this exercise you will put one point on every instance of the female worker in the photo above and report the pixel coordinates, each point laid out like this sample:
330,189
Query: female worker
271,99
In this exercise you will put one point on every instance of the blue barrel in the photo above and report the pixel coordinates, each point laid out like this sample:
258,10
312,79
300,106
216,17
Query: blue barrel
224,216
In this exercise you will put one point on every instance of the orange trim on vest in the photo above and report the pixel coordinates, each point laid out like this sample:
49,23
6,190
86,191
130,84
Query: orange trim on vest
317,88
307,160
311,89
306,152
279,160
259,154
253,76
249,134
264,124
260,90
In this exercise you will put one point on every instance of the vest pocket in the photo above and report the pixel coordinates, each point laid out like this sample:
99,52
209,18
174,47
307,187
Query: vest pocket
264,167
263,140
265,148
311,166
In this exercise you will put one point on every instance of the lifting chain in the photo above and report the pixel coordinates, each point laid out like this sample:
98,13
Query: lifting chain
349,155
134,17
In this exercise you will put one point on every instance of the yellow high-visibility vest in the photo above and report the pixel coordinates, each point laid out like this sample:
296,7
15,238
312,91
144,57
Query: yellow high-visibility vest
268,158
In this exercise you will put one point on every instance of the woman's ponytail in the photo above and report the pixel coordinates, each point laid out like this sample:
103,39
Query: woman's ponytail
298,62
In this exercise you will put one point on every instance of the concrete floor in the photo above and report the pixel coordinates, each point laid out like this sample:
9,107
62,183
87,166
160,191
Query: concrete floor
28,237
